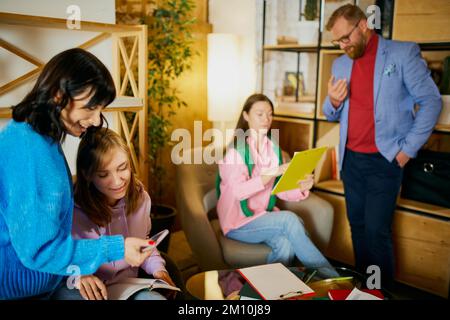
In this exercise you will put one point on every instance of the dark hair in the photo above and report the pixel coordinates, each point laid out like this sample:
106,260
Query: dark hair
350,13
68,74
242,123
93,147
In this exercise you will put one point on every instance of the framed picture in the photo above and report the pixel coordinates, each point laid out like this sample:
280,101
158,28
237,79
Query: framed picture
291,79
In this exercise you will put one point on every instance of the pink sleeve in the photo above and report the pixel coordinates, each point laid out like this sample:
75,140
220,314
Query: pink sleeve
293,195
234,174
154,263
83,227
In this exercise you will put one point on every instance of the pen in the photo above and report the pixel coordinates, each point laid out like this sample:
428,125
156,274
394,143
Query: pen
310,276
342,278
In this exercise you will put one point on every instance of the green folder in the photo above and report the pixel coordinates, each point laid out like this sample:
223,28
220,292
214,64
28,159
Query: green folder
302,164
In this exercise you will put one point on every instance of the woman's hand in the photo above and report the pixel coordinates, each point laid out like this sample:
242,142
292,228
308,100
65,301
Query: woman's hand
133,251
268,174
92,288
306,184
163,275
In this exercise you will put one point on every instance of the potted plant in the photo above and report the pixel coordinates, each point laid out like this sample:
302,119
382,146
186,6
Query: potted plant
309,28
169,55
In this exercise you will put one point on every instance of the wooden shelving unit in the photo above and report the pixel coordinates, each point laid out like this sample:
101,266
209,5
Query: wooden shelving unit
135,104
295,134
421,231
291,48
326,59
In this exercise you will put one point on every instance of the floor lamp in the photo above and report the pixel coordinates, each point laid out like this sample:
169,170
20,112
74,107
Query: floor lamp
223,83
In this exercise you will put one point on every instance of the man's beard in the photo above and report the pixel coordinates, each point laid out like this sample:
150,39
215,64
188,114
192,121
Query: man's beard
358,50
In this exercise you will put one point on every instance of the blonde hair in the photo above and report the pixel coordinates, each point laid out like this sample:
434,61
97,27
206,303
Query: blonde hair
350,13
94,146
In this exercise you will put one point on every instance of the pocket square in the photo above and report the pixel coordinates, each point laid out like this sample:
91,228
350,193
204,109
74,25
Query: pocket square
389,69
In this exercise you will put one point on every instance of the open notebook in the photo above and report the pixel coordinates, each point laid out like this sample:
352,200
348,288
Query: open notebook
129,286
275,282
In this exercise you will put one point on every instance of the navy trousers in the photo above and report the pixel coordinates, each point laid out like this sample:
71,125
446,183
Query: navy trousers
371,185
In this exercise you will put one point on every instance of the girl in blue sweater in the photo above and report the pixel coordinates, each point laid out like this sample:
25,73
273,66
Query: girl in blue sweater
36,199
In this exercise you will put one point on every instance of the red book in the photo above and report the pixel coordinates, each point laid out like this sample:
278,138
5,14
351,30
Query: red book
333,164
342,294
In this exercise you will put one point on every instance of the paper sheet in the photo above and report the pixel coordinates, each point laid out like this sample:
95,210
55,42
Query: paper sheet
275,281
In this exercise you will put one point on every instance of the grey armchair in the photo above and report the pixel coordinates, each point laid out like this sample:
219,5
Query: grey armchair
196,201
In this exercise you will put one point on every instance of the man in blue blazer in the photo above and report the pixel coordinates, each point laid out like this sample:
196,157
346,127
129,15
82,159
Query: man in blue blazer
387,104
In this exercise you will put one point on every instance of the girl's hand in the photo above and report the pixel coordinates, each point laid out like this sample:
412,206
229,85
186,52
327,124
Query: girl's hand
307,183
163,275
133,251
92,288
275,172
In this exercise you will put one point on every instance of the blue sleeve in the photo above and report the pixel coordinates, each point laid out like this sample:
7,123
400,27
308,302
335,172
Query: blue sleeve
420,85
36,207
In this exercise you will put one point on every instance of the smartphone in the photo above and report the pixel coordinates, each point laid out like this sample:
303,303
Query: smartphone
157,238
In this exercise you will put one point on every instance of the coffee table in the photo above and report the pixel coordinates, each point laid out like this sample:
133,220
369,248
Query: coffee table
226,284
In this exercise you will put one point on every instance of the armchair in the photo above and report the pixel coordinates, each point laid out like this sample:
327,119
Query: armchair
196,201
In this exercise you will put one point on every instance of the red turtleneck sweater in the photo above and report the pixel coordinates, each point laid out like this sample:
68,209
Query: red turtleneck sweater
361,124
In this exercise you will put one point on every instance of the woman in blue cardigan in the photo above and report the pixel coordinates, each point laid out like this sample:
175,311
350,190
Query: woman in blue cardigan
36,199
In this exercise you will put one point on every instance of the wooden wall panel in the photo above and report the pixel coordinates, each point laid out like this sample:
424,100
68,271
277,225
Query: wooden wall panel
422,20
193,87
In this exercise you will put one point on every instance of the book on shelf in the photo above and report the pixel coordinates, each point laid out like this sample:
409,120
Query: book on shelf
335,173
127,287
333,164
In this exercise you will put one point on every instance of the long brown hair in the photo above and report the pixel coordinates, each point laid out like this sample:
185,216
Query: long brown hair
91,152
257,97
242,123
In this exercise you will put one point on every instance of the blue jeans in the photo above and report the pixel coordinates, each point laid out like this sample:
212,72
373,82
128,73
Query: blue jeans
285,234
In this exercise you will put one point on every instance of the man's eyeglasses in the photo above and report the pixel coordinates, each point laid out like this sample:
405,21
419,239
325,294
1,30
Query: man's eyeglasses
346,38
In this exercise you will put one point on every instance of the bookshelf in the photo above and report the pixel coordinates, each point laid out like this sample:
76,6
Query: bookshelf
421,231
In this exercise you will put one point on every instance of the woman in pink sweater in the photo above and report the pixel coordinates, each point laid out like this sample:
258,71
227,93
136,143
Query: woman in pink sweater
245,208
110,200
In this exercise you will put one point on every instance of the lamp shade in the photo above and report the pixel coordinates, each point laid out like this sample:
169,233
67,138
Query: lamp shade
223,76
